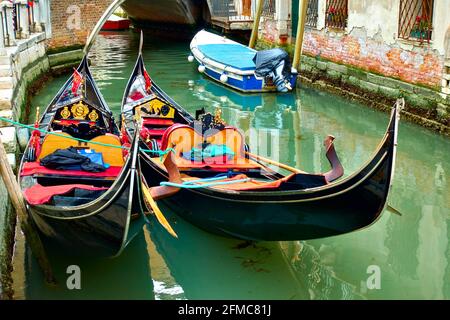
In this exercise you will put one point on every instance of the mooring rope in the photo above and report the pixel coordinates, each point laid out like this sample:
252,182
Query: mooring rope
31,127
189,185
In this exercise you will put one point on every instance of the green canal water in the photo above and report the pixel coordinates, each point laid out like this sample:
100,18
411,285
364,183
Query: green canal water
411,252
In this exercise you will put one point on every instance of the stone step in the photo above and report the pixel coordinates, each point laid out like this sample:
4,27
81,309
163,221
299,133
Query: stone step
8,135
6,83
5,70
8,114
447,63
5,60
447,76
446,91
6,96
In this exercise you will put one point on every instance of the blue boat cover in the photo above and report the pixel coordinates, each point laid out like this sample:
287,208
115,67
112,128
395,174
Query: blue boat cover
233,55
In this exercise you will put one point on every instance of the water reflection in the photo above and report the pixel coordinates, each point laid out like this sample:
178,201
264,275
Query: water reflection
126,277
211,267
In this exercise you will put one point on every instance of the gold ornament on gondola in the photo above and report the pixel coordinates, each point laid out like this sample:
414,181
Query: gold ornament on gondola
80,111
93,116
218,121
65,113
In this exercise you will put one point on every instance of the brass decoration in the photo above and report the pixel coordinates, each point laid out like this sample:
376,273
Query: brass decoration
218,121
80,110
65,113
93,116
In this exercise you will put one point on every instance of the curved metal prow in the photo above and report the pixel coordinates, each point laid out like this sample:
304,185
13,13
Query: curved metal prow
111,9
337,170
141,43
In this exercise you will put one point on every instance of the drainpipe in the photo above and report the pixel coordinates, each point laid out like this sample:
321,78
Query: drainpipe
255,29
302,8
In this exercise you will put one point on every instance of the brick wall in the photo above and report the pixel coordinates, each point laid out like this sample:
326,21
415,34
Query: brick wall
73,20
419,65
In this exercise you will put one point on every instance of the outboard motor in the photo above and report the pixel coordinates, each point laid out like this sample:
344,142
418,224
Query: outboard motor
276,64
283,85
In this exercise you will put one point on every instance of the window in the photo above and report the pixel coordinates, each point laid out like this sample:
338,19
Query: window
312,13
336,14
269,8
415,20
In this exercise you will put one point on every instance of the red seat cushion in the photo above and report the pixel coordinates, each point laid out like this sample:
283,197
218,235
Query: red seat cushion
37,194
157,121
32,168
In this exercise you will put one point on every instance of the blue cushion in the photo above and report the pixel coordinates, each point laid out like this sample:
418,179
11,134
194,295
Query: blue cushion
234,55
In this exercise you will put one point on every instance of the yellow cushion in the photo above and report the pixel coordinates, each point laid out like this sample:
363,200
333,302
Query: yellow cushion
52,143
111,156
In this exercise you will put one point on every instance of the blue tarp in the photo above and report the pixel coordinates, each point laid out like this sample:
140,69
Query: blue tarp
234,55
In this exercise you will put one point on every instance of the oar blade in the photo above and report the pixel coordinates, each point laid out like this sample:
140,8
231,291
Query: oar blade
159,215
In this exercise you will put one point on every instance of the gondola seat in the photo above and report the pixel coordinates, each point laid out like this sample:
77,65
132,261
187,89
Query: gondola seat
111,155
183,138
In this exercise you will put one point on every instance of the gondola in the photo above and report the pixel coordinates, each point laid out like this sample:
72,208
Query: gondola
241,195
91,207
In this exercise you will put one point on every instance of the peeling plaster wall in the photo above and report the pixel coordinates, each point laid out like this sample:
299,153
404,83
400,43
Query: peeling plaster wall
370,42
381,18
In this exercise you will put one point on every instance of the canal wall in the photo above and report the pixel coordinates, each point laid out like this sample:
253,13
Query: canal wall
371,51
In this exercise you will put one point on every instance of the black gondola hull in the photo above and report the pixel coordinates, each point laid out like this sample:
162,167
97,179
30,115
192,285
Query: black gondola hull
352,204
278,217
99,229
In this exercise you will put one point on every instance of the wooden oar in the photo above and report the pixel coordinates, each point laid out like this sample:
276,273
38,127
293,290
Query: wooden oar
161,192
275,163
393,210
158,213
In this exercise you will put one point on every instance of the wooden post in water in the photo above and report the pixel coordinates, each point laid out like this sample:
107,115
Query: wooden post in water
254,36
302,9
15,194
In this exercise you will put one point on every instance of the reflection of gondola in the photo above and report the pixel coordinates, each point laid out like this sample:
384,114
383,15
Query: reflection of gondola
100,278
87,206
320,278
222,268
239,195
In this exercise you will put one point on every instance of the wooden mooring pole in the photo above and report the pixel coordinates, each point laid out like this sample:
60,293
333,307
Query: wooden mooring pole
302,8
31,236
254,36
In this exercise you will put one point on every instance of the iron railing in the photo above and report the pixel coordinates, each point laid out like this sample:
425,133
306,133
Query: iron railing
230,9
269,8
336,14
416,20
312,13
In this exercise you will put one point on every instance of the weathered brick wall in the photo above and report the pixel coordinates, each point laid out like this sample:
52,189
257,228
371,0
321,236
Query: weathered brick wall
73,20
419,65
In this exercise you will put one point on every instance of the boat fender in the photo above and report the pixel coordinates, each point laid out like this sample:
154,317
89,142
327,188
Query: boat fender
201,68
191,58
223,78
23,135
